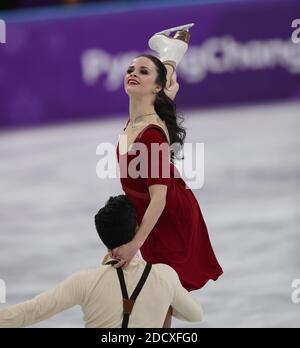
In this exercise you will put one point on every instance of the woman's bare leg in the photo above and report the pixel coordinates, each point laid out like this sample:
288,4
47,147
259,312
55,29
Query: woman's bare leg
170,71
172,85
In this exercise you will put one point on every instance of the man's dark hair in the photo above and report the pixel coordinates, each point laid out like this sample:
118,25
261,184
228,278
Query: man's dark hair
116,222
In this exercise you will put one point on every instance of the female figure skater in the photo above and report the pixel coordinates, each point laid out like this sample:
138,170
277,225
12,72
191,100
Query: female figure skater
171,226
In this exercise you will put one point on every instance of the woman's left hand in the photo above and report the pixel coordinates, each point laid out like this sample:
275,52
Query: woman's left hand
125,253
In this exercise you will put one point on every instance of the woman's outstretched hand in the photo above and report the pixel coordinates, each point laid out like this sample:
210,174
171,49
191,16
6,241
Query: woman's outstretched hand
172,90
125,253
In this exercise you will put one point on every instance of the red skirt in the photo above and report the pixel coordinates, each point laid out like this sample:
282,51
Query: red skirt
180,238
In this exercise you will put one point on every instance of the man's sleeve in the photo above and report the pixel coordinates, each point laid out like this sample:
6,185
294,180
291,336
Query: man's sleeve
65,295
185,306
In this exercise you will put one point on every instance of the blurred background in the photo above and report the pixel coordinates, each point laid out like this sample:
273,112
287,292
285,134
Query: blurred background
62,65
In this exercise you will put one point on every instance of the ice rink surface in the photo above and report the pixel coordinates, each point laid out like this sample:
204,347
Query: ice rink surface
49,194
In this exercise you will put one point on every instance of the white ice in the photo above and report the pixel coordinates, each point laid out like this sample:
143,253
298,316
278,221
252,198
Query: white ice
49,193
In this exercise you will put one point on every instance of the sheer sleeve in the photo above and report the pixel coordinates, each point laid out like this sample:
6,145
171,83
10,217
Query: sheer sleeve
157,161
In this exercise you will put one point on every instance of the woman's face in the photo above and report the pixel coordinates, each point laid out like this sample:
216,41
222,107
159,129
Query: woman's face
143,71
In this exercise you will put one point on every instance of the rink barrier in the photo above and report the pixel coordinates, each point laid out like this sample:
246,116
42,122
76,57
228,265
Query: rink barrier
71,68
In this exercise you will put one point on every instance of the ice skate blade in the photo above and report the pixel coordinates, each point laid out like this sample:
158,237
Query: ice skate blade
185,27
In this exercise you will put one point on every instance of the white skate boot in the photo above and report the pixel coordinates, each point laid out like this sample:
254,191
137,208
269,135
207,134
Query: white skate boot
171,49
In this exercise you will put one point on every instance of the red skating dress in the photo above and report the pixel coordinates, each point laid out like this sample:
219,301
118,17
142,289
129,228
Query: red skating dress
179,238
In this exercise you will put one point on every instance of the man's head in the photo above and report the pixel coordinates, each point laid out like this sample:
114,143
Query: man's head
116,222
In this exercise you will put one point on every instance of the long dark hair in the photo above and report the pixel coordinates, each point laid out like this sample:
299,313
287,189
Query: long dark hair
166,109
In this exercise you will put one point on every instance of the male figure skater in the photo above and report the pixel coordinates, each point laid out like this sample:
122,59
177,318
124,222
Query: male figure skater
154,287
